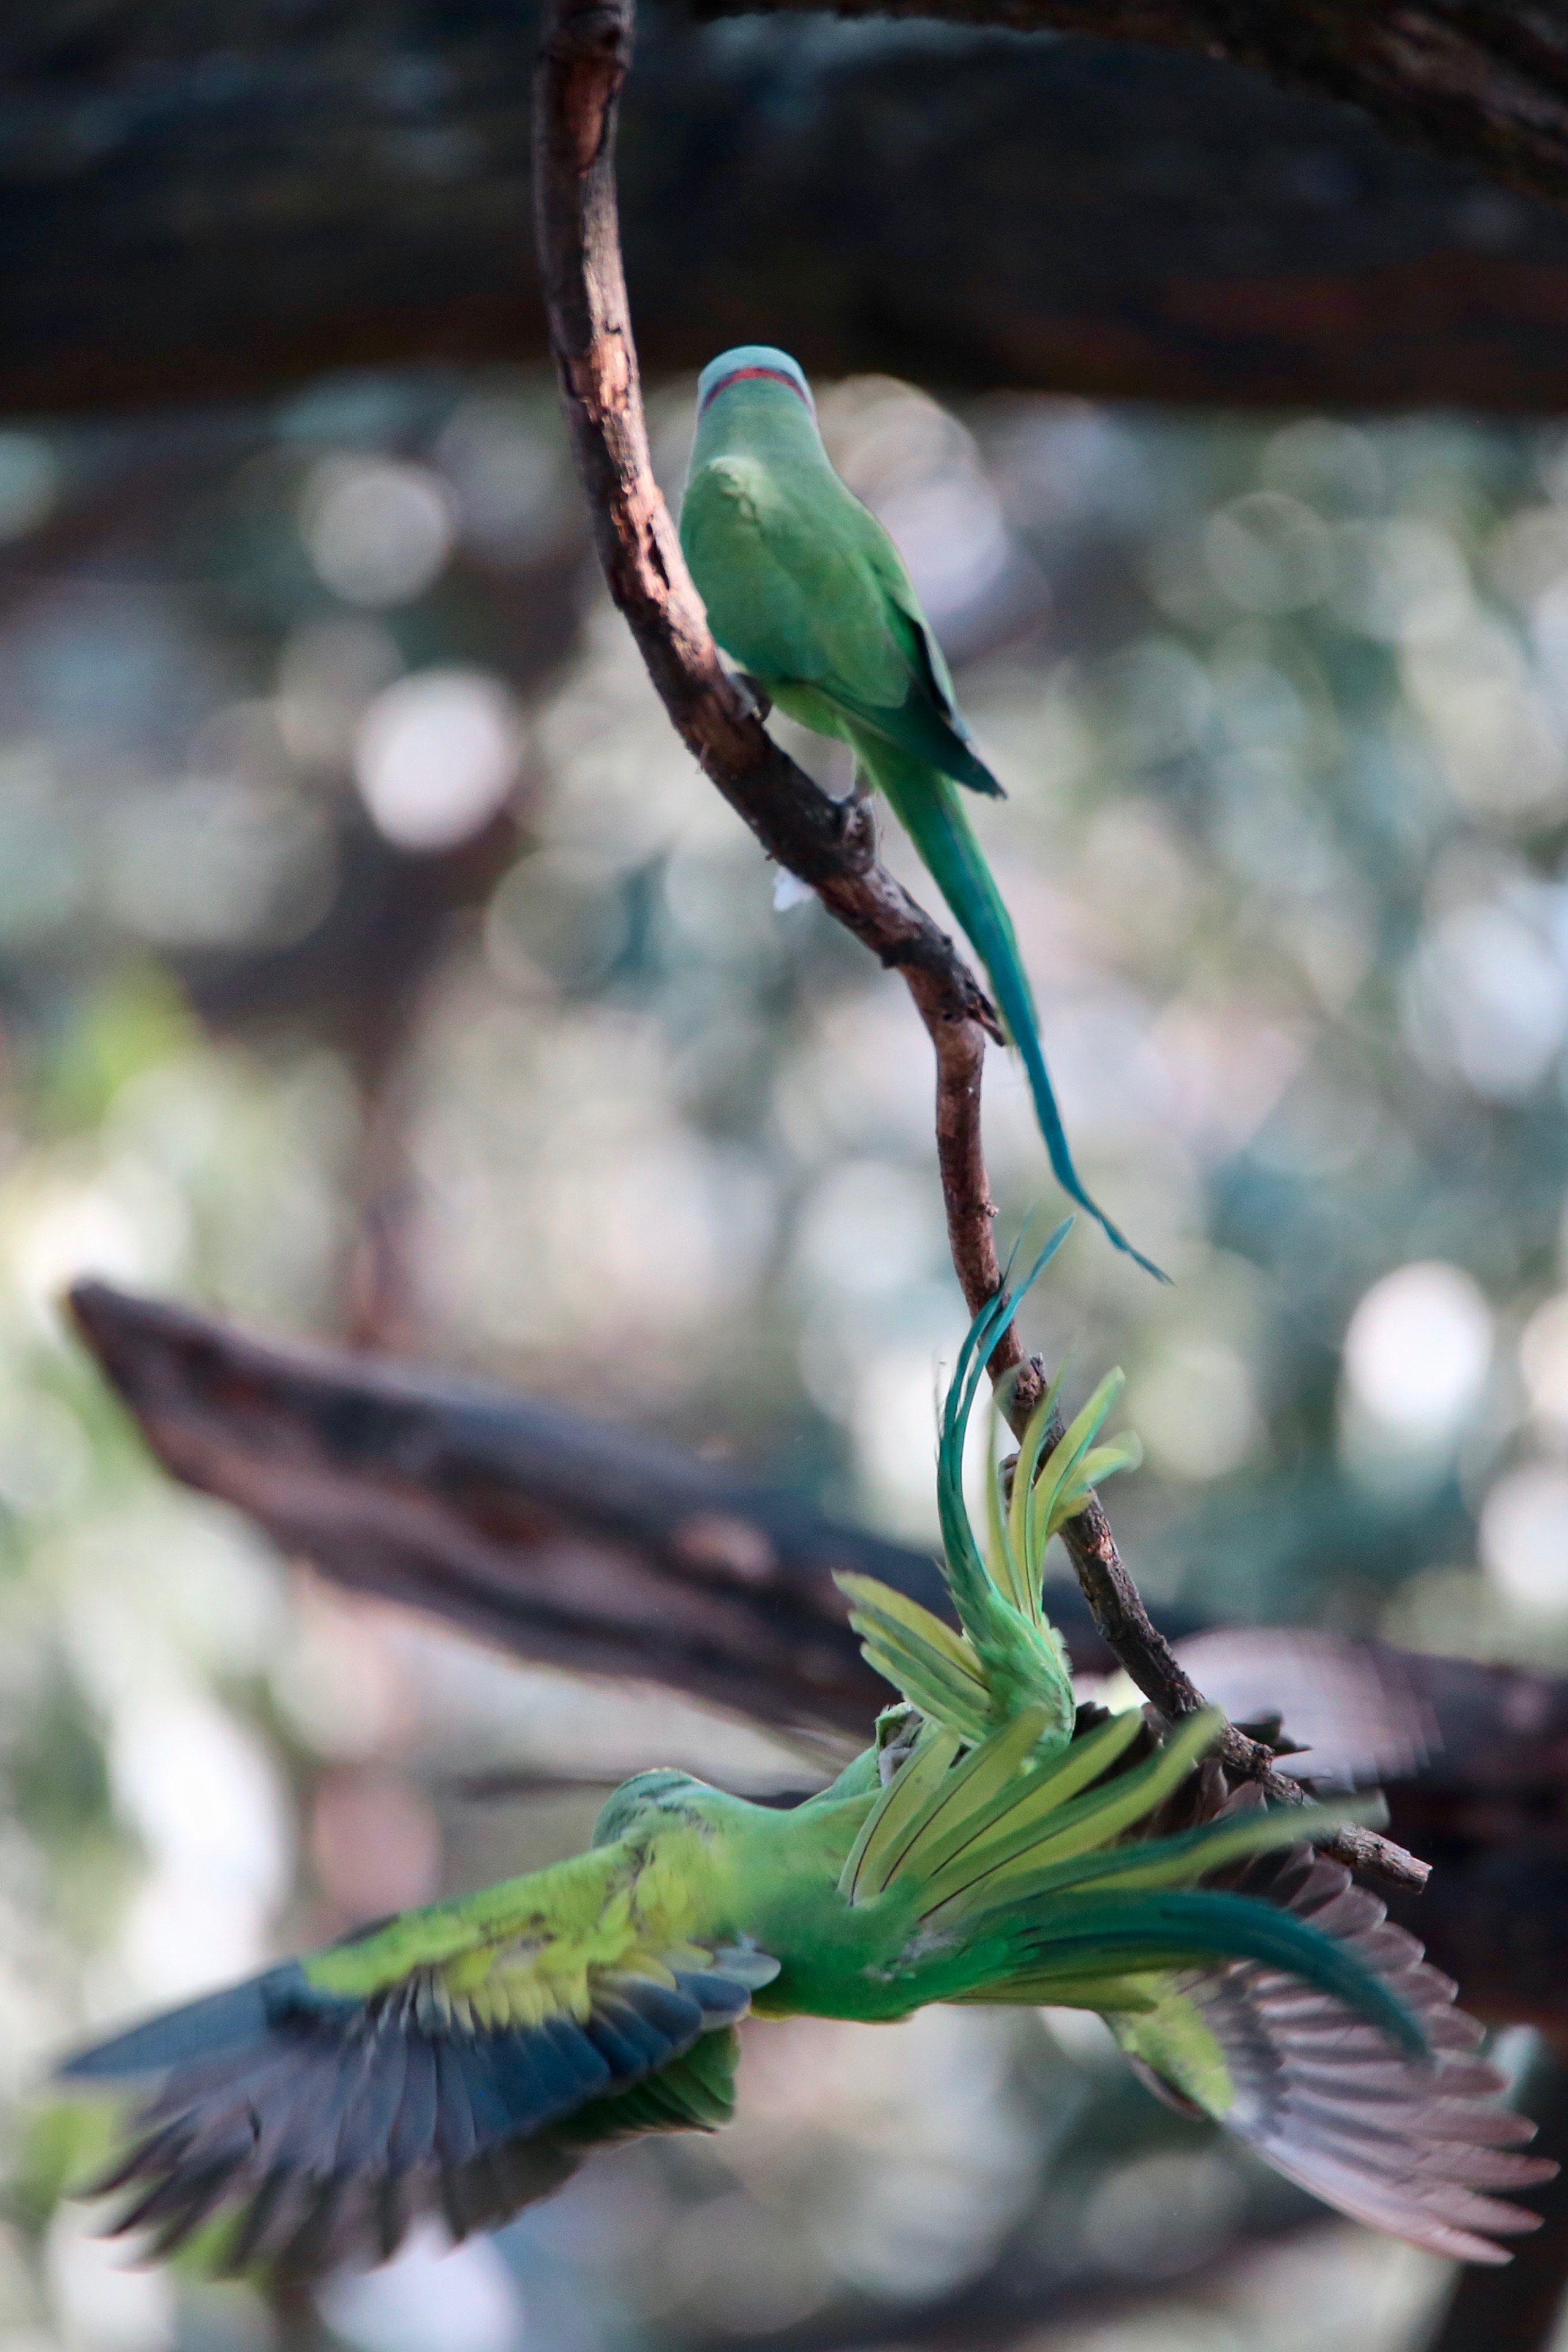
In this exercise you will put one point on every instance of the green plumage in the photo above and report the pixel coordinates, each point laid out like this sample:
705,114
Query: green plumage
807,593
996,1844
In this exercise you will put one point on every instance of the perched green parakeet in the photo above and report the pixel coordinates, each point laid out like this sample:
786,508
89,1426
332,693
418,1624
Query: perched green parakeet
996,1843
807,593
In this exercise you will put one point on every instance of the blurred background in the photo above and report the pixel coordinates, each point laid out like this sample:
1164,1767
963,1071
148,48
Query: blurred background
374,964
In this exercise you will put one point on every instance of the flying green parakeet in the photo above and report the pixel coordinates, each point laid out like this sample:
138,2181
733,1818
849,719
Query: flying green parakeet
807,593
996,1843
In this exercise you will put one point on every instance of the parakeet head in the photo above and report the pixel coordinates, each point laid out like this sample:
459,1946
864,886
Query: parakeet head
761,365
645,1794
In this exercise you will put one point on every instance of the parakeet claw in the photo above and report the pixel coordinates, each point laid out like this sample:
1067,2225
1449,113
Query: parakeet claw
898,1728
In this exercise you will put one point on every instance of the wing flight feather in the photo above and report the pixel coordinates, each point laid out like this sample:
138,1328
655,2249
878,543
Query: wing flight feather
317,2123
1416,2146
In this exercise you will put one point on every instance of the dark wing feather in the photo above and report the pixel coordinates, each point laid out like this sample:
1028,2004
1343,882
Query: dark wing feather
1416,2147
457,2138
933,707
696,2093
411,2142
324,2129
366,2123
266,2221
217,2026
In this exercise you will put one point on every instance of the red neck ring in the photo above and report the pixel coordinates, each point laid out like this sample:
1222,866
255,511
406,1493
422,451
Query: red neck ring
756,375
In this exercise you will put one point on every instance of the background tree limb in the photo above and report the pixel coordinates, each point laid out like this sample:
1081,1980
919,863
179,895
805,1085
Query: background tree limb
200,202
603,1551
1477,81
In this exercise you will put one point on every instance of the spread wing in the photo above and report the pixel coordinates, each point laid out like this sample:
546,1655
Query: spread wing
458,2061
1416,2147
696,2093
804,587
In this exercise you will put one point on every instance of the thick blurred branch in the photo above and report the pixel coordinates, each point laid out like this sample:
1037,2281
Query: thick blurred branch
1477,82
584,60
596,1550
195,202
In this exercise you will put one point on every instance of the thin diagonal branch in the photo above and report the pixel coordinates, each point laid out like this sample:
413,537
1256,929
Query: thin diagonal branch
584,60
1114,1598
828,843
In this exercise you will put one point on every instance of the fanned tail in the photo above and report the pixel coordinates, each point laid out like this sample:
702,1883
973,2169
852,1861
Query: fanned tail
1008,1655
1035,1878
927,804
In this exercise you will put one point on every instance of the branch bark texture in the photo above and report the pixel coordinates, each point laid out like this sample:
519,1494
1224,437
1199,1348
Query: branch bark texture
584,60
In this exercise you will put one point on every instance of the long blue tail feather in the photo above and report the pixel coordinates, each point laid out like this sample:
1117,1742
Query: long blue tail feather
1157,1931
972,1592
928,806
